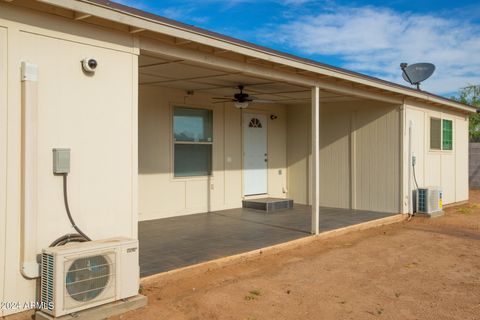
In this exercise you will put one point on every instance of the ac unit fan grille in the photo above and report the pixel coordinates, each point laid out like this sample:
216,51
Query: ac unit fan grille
87,278
48,268
422,200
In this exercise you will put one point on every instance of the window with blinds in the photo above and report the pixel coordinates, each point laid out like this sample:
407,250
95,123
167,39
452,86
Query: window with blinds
192,142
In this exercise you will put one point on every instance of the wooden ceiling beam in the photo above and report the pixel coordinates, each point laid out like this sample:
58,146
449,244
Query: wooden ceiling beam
134,30
80,15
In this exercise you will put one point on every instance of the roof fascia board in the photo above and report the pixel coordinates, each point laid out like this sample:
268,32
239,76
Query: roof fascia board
140,22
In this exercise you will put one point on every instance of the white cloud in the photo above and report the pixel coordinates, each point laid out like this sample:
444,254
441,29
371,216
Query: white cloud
375,40
174,13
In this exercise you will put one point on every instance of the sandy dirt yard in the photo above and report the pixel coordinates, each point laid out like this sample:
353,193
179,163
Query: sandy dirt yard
422,269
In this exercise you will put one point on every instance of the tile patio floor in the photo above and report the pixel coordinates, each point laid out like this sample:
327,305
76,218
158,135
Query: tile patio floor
171,243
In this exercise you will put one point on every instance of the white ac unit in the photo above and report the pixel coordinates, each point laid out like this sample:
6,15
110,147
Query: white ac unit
79,276
429,200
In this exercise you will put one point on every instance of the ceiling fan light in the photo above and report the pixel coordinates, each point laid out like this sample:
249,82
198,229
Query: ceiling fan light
241,105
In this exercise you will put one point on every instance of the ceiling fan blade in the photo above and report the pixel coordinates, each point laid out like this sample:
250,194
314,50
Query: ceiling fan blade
224,98
224,101
262,101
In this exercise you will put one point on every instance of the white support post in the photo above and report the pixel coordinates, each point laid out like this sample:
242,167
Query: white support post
315,165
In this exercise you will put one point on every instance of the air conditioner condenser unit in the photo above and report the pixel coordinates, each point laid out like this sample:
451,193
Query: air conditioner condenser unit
429,201
79,276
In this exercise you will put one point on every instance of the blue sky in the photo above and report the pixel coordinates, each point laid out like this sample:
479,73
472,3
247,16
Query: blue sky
369,37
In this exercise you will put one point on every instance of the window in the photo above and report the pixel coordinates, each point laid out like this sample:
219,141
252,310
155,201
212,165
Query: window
255,123
192,142
441,134
447,140
435,133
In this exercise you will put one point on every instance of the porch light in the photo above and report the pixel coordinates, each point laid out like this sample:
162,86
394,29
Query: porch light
241,105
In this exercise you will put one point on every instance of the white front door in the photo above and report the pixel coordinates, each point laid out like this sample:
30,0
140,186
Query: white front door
254,154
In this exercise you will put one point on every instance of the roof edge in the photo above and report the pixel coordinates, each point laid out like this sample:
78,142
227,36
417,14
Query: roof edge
299,62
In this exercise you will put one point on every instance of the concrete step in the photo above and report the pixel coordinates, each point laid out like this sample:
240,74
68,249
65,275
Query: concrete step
268,204
431,214
100,312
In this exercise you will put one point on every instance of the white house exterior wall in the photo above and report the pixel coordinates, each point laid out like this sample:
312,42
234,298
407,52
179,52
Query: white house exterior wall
95,116
447,169
161,194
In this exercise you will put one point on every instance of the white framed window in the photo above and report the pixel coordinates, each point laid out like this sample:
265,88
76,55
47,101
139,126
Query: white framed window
192,142
441,134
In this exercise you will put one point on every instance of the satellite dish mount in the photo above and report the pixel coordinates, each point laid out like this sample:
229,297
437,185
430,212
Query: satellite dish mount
417,72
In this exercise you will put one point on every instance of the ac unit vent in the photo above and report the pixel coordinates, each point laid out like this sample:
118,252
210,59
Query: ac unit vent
47,282
429,200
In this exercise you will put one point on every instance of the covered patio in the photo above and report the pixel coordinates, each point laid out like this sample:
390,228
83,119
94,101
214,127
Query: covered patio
320,144
171,243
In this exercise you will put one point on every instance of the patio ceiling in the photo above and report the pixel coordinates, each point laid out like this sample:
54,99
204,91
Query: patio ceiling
165,71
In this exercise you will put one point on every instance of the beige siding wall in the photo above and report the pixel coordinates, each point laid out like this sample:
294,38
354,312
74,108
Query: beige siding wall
377,158
95,116
335,126
298,152
447,169
3,155
359,155
161,194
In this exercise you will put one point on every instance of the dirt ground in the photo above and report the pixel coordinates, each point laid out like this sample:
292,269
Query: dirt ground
422,269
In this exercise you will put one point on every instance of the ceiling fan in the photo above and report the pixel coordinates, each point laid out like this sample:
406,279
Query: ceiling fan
241,100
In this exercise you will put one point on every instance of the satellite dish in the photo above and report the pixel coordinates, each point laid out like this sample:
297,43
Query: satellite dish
417,72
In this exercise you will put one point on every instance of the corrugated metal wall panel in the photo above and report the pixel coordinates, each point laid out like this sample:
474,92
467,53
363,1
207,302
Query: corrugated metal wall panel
298,151
335,158
359,144
461,159
377,156
473,164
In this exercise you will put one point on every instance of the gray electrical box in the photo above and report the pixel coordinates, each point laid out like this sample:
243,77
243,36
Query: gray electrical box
61,160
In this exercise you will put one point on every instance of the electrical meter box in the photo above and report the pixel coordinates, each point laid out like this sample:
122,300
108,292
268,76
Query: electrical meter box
61,160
